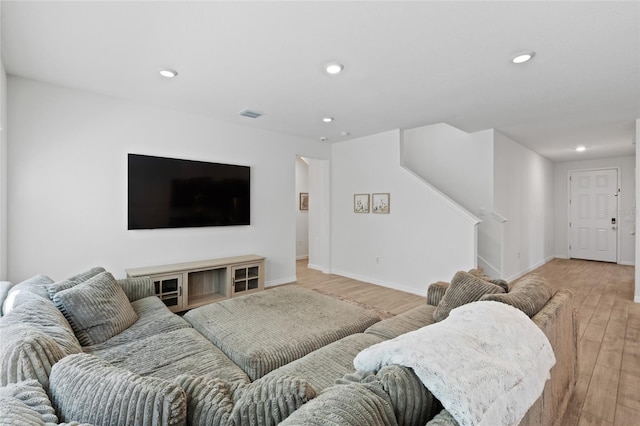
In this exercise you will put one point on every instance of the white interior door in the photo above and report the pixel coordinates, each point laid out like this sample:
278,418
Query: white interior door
593,223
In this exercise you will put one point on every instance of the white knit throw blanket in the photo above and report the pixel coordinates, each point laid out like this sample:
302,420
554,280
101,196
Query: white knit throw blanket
487,362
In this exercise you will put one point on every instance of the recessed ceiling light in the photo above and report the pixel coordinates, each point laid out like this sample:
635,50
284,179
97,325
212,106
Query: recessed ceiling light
345,133
327,119
323,138
334,68
168,73
581,148
523,57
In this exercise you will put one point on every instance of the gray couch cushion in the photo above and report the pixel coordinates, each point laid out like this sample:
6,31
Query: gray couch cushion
416,318
321,368
270,400
528,294
169,355
87,389
444,418
41,315
153,318
465,288
26,354
209,400
263,331
25,403
97,309
353,404
26,290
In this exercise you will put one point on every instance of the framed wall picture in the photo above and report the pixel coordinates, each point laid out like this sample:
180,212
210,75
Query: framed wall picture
380,203
361,203
304,201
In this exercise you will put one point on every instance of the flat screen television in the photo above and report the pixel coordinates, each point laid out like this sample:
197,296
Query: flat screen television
174,193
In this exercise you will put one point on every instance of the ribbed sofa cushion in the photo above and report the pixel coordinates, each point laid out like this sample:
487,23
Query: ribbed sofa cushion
41,315
465,288
26,354
97,309
169,355
321,368
353,404
25,403
5,286
209,400
263,331
528,294
86,389
153,318
416,318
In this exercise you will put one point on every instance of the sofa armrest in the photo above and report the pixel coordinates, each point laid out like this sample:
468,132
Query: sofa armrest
435,292
137,288
85,388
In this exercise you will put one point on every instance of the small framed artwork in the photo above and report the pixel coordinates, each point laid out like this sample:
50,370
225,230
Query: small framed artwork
361,203
304,201
380,203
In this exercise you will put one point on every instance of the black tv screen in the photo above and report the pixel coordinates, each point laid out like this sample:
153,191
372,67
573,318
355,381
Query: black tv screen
174,193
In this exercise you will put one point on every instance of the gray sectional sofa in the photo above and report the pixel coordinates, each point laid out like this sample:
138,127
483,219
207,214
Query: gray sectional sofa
95,350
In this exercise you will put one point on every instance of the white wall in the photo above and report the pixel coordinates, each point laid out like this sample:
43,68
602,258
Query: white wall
425,237
524,193
302,216
67,190
3,165
457,163
626,204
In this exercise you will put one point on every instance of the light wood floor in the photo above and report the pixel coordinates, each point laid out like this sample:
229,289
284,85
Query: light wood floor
608,390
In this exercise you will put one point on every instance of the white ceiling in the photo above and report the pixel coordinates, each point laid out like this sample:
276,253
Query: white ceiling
407,64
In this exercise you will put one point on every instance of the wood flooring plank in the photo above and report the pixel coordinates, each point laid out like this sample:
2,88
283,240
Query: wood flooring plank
626,416
602,393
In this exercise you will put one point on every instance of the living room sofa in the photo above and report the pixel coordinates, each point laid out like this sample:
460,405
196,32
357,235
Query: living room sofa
73,357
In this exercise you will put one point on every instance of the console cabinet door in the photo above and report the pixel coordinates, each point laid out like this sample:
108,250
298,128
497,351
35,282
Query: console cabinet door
247,278
169,289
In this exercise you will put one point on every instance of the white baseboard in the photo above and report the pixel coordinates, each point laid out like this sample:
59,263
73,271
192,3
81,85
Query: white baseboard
637,299
288,280
395,286
561,256
316,267
302,256
627,263
529,269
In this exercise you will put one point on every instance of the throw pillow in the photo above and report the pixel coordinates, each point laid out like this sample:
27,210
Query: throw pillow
97,309
465,288
87,389
56,287
25,403
529,295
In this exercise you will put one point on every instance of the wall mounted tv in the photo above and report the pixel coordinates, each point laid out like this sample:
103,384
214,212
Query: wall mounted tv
174,193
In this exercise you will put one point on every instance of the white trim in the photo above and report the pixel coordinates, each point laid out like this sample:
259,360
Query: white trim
302,256
637,299
529,269
627,263
273,283
394,286
316,267
562,256
495,272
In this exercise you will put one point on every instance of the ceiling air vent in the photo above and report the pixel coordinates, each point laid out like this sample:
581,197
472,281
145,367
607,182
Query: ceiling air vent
250,113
